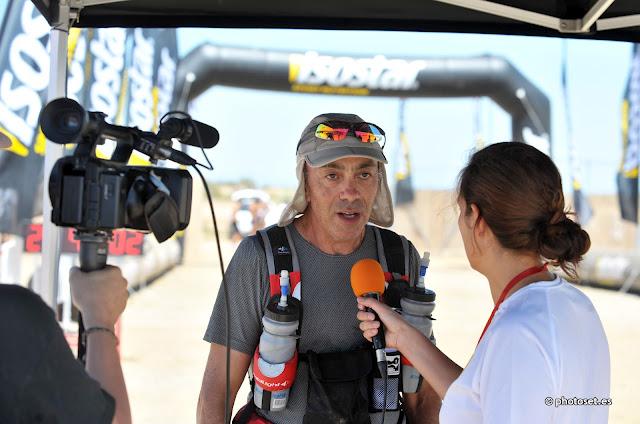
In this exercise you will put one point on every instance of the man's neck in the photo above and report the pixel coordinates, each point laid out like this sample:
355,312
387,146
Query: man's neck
322,241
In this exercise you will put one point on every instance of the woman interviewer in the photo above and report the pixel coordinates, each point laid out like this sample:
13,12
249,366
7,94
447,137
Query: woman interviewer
543,356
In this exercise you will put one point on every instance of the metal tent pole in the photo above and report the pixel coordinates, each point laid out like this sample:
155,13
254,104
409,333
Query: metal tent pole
48,285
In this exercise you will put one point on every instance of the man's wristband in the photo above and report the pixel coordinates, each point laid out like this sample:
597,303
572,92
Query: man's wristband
90,330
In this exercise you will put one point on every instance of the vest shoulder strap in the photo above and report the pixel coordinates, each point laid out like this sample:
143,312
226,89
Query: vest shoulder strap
393,253
281,255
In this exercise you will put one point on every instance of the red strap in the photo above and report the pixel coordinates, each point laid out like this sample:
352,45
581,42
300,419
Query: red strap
388,277
257,419
518,278
274,282
405,361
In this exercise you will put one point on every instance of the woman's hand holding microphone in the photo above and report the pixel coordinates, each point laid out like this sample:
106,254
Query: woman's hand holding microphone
397,330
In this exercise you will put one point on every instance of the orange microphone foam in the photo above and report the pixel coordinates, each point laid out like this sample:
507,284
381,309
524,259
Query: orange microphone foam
367,277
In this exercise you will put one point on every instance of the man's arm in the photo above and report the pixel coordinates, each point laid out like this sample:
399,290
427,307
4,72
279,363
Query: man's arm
212,393
101,297
422,407
245,276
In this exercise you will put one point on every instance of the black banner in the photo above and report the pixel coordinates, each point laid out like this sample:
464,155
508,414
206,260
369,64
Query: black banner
627,177
128,74
24,78
151,75
312,72
404,193
581,204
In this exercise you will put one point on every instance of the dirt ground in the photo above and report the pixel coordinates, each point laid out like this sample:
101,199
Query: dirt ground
164,355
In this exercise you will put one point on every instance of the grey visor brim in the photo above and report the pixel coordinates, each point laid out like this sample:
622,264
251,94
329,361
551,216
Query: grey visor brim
324,157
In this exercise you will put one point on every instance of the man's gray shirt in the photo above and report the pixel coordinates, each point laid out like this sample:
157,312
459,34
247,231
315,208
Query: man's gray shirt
329,306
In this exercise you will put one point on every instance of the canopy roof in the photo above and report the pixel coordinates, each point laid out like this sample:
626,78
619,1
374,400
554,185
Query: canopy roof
600,19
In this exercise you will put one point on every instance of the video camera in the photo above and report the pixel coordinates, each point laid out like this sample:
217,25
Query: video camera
96,196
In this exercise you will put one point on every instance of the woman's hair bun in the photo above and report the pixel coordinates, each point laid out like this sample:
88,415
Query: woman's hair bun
563,242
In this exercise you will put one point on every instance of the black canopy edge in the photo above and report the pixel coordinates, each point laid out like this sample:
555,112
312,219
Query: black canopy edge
162,21
118,15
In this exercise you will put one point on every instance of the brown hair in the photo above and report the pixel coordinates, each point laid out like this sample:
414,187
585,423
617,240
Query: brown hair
518,191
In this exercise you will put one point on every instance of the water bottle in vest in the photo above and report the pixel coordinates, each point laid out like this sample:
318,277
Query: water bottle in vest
276,360
417,305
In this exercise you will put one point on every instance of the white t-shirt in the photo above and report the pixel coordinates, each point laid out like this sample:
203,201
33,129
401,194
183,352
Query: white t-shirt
546,342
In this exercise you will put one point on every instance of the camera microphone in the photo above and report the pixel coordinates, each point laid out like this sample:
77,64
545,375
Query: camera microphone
156,151
187,131
367,280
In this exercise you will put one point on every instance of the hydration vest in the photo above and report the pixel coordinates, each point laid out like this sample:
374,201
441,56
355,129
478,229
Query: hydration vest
338,379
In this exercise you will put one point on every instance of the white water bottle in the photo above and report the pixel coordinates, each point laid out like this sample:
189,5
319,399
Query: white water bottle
276,359
417,305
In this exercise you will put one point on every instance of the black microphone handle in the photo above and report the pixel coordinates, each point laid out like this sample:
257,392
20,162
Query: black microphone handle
378,340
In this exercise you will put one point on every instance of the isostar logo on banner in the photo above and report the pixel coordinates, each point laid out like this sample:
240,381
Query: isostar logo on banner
79,64
150,80
142,107
24,60
313,73
166,79
108,49
152,75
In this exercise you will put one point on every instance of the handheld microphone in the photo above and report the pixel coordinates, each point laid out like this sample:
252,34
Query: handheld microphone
187,131
367,280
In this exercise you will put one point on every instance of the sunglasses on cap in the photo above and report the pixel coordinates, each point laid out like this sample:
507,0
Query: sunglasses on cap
339,130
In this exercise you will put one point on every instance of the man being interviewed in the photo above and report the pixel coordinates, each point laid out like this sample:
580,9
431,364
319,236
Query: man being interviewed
321,234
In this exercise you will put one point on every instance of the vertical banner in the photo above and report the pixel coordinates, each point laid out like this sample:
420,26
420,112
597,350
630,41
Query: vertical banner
149,80
166,66
581,205
151,73
79,64
129,74
24,77
106,87
627,177
404,185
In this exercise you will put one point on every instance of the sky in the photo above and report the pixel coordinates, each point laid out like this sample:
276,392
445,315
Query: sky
259,129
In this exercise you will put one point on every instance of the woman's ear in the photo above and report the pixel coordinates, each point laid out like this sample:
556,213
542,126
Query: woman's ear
481,229
479,225
474,214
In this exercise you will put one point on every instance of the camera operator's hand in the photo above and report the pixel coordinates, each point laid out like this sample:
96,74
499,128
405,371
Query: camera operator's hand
101,295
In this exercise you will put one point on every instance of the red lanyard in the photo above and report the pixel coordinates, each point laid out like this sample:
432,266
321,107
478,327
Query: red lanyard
524,274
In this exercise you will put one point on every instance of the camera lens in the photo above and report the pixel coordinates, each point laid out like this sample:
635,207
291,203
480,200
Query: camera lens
71,123
63,121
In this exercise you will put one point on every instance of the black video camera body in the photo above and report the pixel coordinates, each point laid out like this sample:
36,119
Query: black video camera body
103,195
95,196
